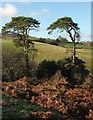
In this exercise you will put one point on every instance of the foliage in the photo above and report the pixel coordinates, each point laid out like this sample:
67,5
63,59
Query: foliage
67,24
13,64
46,69
72,103
45,40
17,89
79,102
75,74
14,108
62,40
55,96
18,108
20,26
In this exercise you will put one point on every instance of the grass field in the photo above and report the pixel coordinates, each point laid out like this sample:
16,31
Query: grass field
67,45
51,52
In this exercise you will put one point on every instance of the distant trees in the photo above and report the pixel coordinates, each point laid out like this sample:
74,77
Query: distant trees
67,24
88,45
20,26
61,39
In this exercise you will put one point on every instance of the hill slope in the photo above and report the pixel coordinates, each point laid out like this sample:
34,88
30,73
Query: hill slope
49,52
52,52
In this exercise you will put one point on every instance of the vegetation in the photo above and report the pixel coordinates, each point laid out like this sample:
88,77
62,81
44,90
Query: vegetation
54,53
19,108
67,24
41,81
13,63
46,69
75,74
55,99
48,52
20,26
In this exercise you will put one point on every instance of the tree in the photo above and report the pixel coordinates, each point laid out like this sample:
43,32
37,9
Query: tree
67,24
20,26
61,39
75,74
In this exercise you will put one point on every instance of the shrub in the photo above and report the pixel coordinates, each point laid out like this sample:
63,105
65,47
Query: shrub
75,74
79,102
13,64
46,69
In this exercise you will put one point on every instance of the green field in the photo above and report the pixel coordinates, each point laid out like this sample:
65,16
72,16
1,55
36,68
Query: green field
67,45
51,52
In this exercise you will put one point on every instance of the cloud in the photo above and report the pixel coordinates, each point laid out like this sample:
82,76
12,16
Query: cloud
25,0
17,1
86,35
8,10
43,11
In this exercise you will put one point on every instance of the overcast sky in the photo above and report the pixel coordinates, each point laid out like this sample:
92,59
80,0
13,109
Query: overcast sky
48,12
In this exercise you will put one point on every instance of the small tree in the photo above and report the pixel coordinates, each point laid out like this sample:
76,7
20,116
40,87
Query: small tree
67,24
75,74
20,26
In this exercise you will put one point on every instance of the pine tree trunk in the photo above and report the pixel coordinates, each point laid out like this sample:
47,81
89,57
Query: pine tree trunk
74,47
26,54
25,45
74,52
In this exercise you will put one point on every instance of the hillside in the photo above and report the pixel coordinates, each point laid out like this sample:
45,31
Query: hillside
54,98
52,52
49,52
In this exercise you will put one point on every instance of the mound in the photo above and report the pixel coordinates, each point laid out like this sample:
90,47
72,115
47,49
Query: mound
19,89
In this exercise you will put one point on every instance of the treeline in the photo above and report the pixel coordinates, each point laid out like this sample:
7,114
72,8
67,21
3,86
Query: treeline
49,41
60,41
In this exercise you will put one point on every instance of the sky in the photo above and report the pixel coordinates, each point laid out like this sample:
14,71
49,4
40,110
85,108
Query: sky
48,12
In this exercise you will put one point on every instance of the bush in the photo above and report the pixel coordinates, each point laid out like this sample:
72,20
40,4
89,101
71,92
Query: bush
75,74
13,64
79,101
46,69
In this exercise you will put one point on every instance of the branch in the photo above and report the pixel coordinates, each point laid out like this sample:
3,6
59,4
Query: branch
70,36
